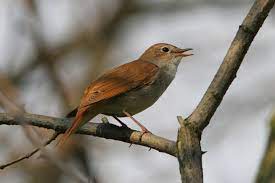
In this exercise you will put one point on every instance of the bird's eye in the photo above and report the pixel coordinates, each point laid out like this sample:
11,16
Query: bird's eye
165,49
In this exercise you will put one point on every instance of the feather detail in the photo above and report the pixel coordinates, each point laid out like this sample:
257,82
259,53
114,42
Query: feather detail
77,123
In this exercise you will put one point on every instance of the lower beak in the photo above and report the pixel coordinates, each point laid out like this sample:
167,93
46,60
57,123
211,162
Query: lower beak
184,52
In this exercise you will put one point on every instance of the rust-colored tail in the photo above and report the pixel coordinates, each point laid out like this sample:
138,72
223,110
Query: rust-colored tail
78,122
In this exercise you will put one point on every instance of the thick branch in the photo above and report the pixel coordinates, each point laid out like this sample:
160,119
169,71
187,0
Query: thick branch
105,130
188,142
189,153
231,63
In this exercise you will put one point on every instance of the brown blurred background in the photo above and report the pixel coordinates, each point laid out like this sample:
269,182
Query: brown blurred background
50,50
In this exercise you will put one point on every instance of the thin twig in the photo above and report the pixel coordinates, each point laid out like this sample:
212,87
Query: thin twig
17,113
30,153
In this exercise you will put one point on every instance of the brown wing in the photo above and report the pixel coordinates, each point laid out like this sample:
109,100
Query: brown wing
119,80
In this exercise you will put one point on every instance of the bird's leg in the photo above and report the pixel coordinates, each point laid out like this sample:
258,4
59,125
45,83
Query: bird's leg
143,128
118,120
123,125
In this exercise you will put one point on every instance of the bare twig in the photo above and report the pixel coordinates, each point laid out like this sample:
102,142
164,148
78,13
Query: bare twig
189,135
18,113
108,131
29,154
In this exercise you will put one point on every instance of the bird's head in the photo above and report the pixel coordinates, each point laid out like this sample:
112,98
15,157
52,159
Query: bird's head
165,54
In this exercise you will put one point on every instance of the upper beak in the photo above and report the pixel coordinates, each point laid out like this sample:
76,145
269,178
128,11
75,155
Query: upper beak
182,52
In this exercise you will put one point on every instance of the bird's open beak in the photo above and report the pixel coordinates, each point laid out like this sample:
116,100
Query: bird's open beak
183,52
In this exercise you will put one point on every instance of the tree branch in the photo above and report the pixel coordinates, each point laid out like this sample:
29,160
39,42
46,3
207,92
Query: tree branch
104,130
231,63
29,154
189,148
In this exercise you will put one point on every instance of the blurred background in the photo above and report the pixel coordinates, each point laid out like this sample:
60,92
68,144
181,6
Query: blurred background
51,50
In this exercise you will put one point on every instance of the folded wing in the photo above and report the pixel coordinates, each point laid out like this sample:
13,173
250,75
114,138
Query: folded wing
119,80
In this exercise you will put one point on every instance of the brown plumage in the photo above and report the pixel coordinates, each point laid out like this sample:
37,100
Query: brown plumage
115,82
119,80
124,87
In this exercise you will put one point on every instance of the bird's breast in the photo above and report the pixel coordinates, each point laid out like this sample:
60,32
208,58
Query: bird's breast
141,98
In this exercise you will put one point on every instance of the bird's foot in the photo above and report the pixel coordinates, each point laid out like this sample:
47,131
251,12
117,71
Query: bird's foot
143,128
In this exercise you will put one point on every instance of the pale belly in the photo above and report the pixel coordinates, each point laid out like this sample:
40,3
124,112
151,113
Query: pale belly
137,100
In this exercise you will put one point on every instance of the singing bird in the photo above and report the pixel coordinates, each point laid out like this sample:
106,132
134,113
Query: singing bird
130,88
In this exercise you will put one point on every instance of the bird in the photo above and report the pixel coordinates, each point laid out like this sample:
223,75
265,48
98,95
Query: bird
129,88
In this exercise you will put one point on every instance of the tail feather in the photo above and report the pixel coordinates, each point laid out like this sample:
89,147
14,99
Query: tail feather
75,125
